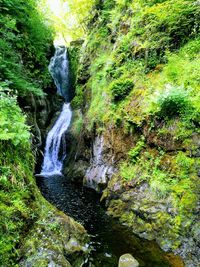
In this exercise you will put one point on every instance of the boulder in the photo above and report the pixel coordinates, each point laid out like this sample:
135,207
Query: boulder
127,260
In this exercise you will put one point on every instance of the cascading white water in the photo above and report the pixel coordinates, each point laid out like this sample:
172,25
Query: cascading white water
55,149
53,156
59,70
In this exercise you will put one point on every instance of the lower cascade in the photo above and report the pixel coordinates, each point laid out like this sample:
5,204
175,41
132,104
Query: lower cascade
55,150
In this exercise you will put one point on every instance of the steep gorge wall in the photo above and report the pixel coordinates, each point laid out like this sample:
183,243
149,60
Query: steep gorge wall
137,125
32,232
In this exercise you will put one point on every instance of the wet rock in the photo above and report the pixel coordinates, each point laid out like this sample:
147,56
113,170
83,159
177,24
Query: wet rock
127,260
78,151
56,240
100,171
73,245
133,202
40,111
77,172
152,218
53,264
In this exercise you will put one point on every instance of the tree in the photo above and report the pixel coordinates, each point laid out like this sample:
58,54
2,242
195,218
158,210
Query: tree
69,18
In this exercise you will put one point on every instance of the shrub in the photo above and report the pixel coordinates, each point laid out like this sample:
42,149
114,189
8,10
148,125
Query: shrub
12,121
173,102
120,88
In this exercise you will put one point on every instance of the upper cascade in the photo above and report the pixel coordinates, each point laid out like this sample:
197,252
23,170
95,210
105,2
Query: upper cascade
59,70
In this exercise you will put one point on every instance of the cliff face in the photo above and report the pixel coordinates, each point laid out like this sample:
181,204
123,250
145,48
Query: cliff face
137,126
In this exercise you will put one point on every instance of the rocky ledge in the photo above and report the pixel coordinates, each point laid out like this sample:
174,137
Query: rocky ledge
55,240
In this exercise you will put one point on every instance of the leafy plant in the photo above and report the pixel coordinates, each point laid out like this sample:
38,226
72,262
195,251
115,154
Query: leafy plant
12,122
134,152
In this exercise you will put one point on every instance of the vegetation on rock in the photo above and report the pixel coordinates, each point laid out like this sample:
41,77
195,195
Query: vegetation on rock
139,75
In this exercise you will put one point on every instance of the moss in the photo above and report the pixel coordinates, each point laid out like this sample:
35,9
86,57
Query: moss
168,178
18,206
134,152
130,56
50,232
121,88
74,54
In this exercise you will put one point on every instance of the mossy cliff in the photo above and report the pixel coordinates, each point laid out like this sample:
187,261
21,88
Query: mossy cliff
137,132
32,232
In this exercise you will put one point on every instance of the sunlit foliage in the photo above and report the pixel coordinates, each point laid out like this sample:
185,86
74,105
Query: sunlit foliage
25,48
69,18
25,43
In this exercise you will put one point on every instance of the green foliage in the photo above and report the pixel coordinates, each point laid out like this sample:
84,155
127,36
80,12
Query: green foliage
16,209
78,100
25,42
16,161
176,180
97,39
183,67
156,44
73,62
127,171
68,18
12,122
77,124
173,102
120,88
169,24
134,152
140,39
24,47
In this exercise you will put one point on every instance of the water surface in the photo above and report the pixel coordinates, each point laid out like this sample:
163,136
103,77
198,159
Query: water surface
108,240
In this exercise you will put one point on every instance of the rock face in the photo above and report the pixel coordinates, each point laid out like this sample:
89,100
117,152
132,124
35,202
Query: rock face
147,165
100,170
127,260
133,202
151,218
41,112
55,240
94,158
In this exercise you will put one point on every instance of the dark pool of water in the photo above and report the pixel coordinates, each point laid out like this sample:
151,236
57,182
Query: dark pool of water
108,240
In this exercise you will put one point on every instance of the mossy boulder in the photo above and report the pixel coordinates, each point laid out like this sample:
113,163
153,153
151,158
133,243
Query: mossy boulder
55,240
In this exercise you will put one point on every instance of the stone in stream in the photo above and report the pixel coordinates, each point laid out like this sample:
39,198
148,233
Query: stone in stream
127,260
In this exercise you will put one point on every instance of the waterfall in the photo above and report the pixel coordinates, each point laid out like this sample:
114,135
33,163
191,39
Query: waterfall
55,149
59,70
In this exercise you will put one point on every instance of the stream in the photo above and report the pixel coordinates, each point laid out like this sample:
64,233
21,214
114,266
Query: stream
108,240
